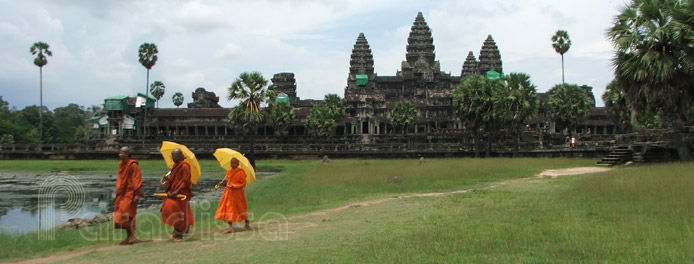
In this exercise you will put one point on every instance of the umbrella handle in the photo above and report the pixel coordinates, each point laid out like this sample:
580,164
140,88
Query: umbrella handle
182,196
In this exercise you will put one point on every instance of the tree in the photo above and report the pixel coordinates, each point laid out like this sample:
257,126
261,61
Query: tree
621,112
324,116
617,106
281,115
157,88
472,100
336,106
68,120
251,89
177,99
561,44
320,121
148,57
4,105
41,50
520,104
567,104
403,115
653,60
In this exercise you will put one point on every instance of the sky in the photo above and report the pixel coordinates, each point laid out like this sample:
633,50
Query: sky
210,43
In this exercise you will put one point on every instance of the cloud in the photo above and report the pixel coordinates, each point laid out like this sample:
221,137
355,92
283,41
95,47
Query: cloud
209,43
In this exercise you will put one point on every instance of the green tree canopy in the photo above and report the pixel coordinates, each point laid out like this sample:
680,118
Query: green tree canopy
320,121
654,60
473,101
177,99
324,116
404,114
518,104
567,104
41,50
281,115
252,91
157,88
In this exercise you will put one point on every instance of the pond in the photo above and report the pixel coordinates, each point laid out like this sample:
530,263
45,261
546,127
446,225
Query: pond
32,201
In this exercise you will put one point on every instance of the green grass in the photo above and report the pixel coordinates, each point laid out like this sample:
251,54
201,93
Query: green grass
306,186
629,215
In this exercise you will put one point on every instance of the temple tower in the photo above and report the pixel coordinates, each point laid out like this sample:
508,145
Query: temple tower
470,66
285,83
362,61
490,58
420,57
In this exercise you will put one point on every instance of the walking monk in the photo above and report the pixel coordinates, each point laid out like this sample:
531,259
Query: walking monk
232,207
128,190
174,211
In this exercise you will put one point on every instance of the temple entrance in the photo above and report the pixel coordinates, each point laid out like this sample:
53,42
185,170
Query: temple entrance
365,127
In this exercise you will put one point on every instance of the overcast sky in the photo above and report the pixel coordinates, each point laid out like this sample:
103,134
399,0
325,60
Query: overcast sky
209,43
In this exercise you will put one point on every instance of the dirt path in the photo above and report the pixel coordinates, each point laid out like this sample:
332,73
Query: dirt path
299,225
572,171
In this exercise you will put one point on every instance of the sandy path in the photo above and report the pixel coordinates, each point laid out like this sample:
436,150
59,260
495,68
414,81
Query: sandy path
572,171
547,173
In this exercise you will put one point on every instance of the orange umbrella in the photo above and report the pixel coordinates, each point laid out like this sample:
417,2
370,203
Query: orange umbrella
224,156
168,146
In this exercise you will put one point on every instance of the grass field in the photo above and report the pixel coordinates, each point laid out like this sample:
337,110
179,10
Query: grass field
636,214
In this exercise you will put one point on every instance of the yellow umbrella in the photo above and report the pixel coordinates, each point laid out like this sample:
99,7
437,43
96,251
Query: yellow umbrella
224,156
168,146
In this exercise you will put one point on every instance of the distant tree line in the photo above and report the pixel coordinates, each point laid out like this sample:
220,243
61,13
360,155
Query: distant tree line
67,124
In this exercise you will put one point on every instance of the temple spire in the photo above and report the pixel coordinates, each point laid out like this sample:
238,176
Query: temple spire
490,58
470,66
362,61
420,43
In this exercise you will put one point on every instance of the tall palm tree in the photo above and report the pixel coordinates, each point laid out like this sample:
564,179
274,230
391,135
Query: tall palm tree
561,44
41,50
157,88
653,60
177,99
251,89
472,103
148,57
522,103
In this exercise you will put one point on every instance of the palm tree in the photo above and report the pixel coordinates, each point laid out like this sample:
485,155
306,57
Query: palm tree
522,103
251,89
41,50
177,99
472,101
561,44
653,60
148,57
157,88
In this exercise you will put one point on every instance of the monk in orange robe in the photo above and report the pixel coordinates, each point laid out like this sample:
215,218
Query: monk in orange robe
174,211
128,190
232,206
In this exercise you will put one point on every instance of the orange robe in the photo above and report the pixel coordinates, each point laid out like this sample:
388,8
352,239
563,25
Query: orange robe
174,211
128,185
232,206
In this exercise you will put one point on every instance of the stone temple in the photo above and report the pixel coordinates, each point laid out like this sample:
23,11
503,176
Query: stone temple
368,98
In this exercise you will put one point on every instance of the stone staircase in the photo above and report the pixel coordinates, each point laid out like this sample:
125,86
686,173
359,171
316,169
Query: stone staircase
618,155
